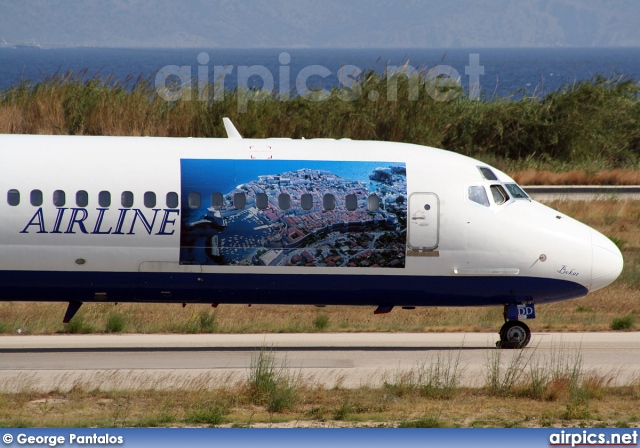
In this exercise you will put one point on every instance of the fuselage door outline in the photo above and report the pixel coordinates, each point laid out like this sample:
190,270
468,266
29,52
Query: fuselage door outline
424,221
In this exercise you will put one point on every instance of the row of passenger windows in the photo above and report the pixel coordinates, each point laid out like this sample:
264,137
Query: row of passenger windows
284,201
36,198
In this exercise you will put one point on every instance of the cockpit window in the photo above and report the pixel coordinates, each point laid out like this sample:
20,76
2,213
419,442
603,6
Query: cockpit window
499,195
487,173
516,192
478,194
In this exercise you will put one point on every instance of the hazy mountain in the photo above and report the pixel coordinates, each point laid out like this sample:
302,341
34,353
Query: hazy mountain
328,23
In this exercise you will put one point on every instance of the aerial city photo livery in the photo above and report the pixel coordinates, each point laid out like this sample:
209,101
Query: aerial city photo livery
282,221
277,232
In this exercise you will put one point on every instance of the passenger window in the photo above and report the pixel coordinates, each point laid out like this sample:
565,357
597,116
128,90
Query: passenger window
149,199
499,195
239,201
126,199
194,199
82,198
329,202
59,198
373,203
104,199
487,173
478,194
306,201
284,201
13,197
262,201
217,200
351,202
172,199
36,198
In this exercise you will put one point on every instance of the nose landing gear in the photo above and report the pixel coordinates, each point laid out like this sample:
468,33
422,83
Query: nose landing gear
515,333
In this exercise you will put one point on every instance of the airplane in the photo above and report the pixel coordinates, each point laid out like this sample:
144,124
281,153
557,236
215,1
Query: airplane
283,221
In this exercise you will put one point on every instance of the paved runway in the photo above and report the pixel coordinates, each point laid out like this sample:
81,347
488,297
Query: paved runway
345,359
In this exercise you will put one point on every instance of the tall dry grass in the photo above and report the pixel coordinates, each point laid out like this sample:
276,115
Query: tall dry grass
596,312
590,125
617,176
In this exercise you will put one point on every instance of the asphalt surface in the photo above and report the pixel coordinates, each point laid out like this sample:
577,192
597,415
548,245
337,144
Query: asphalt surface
332,359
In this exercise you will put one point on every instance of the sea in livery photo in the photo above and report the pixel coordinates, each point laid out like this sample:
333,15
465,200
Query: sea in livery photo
293,213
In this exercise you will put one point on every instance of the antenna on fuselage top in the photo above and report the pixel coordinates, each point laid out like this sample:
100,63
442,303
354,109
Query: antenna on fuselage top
232,132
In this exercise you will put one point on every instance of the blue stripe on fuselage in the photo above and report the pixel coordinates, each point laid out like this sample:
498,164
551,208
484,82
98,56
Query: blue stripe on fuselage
293,289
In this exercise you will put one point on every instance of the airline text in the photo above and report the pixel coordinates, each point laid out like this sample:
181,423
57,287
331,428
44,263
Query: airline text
129,220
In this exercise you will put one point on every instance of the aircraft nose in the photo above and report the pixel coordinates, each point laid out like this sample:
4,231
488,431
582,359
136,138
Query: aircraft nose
607,261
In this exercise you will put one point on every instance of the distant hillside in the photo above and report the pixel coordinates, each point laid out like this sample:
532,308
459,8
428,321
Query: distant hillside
328,24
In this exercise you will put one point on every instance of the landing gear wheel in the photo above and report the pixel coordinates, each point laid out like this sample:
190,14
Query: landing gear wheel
514,334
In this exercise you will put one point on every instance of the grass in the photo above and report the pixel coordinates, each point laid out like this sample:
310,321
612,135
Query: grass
596,312
212,415
115,323
617,176
321,322
271,385
78,326
423,422
502,380
437,379
567,396
623,323
588,126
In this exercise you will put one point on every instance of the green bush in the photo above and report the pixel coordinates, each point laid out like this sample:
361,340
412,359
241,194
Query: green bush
623,323
212,415
207,321
115,323
343,411
321,322
77,326
202,322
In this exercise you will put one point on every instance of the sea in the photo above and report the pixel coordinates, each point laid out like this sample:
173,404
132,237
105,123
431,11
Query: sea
508,72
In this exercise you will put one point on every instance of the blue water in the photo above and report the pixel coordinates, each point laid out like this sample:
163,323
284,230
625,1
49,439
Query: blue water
506,71
197,173
208,176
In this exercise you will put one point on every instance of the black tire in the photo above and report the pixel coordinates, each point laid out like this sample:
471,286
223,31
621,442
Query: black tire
514,334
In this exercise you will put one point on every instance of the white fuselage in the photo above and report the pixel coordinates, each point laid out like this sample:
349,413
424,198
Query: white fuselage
431,242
